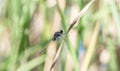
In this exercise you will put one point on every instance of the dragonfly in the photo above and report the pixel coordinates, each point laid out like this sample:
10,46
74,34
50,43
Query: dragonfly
57,35
56,38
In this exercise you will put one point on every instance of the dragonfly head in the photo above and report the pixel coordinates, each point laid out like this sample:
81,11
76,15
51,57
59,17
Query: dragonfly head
61,31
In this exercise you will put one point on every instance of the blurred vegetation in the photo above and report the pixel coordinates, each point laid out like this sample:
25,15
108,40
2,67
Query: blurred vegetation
27,27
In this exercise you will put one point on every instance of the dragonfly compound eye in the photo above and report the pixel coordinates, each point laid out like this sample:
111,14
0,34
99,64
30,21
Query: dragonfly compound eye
61,31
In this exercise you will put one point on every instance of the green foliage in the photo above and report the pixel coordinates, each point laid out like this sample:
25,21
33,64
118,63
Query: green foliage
101,20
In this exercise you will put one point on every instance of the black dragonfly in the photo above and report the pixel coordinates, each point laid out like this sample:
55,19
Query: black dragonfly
57,35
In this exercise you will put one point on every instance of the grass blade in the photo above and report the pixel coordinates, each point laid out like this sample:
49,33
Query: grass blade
72,24
31,64
91,49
